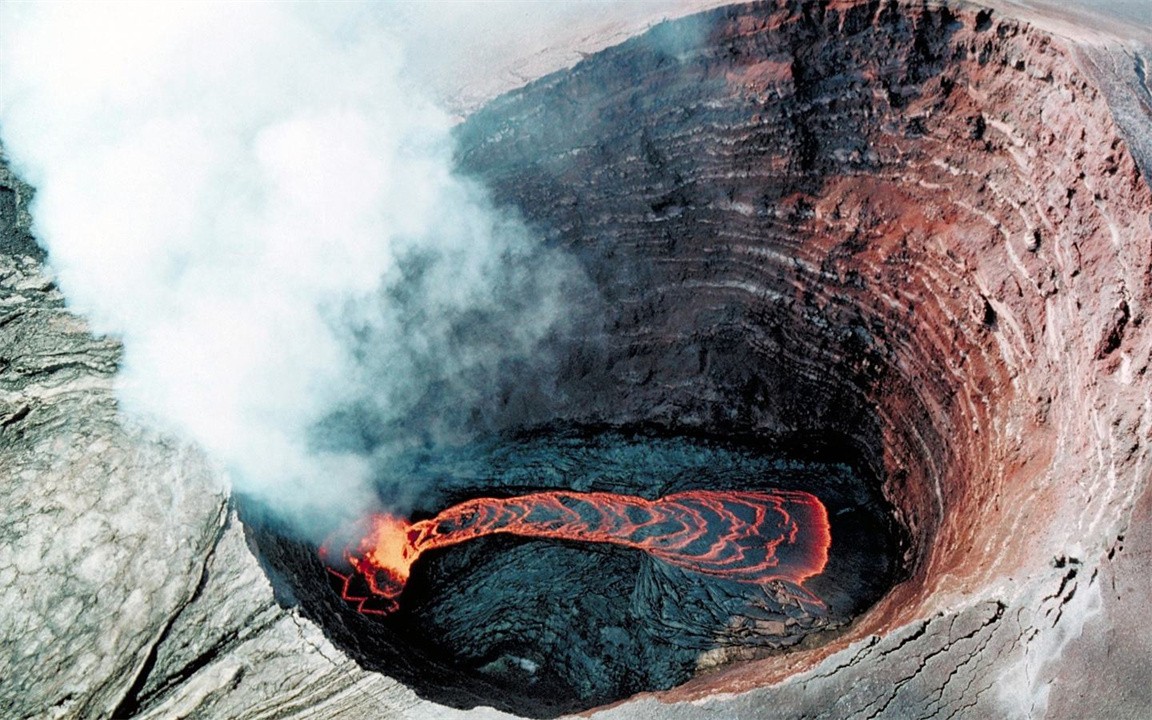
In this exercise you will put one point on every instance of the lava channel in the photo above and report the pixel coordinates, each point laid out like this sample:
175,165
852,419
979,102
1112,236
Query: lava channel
748,537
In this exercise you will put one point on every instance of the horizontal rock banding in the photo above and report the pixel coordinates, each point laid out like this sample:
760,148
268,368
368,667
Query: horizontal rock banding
916,226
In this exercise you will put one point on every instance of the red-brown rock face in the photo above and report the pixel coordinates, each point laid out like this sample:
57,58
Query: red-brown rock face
916,227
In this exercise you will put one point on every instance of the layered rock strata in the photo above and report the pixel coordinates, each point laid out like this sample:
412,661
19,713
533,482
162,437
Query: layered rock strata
922,228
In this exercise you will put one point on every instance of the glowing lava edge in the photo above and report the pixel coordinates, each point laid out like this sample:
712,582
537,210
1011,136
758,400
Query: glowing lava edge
743,536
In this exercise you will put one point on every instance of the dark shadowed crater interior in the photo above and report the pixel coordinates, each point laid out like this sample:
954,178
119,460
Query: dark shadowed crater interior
540,627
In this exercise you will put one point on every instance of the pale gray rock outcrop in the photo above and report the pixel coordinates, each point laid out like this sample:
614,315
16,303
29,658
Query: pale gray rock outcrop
107,526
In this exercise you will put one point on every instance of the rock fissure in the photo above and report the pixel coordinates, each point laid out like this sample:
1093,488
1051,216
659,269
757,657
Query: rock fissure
133,700
947,643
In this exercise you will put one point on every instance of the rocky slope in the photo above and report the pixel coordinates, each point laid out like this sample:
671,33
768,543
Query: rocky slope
922,228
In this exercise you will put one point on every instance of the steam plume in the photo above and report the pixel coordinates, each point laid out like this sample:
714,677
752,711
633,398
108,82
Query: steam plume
251,197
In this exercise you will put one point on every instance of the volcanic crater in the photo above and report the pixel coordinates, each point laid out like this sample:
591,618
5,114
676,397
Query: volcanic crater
888,253
896,254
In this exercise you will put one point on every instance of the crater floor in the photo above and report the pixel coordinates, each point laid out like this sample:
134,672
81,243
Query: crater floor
540,627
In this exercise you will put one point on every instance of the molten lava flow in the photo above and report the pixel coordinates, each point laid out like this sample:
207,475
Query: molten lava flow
750,537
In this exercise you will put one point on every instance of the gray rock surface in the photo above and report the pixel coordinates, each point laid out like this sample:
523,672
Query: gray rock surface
127,588
107,527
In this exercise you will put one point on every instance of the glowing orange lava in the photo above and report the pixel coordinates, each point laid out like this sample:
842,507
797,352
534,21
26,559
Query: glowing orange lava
749,537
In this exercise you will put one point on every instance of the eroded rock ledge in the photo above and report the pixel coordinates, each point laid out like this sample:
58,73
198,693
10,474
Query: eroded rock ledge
926,229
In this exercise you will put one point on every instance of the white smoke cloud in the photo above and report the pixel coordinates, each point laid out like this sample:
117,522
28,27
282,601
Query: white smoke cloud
255,201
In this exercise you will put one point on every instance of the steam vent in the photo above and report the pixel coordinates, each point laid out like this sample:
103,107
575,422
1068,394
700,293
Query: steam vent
855,420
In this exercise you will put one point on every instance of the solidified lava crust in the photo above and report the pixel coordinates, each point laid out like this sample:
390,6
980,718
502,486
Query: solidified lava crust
541,625
898,227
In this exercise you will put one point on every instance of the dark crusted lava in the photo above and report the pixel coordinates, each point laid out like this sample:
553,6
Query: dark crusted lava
543,627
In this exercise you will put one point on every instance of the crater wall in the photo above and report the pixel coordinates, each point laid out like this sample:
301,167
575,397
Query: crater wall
925,227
